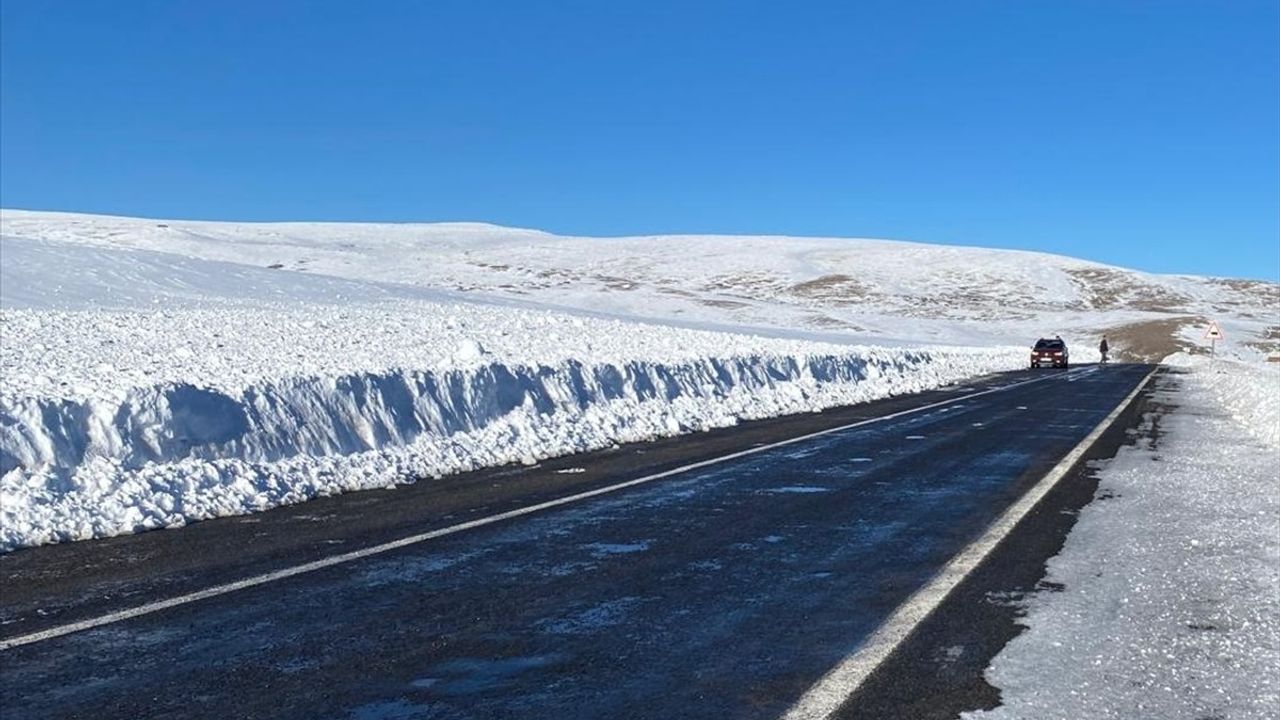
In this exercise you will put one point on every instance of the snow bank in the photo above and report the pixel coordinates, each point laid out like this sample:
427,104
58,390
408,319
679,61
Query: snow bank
1248,392
118,422
1171,599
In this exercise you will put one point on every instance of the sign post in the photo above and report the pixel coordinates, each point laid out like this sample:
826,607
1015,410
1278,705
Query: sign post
1213,334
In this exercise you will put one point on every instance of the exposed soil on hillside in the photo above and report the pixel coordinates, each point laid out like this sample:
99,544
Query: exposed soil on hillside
1259,291
1104,289
833,289
1269,342
1152,340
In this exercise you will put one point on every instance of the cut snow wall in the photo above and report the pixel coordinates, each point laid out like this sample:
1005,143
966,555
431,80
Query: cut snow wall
173,453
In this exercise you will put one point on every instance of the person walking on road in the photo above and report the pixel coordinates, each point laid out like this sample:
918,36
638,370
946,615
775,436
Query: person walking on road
1102,348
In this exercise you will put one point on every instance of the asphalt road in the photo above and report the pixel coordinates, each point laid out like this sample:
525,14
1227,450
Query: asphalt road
723,591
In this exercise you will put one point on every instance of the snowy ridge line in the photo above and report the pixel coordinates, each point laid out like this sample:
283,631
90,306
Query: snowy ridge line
825,697
869,291
168,454
153,607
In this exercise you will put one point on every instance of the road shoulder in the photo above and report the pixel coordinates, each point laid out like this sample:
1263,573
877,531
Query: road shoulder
938,672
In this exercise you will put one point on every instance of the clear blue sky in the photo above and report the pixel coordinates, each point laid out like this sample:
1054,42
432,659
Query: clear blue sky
1145,134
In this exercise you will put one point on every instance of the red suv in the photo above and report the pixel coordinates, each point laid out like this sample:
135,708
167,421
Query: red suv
1049,351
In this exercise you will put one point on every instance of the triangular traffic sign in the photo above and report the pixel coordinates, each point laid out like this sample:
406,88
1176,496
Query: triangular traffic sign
1213,332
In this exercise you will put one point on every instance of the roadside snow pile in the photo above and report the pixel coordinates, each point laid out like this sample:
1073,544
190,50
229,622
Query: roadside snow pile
1171,607
1249,392
118,421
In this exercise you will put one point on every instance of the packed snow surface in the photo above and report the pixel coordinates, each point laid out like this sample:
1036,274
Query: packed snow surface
1171,599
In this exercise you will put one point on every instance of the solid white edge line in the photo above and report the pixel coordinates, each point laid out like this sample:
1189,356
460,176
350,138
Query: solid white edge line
826,696
265,578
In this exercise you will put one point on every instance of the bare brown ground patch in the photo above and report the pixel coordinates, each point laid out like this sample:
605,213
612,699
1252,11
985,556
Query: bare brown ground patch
1103,288
677,292
726,304
827,322
751,284
836,289
558,274
1099,287
1267,342
613,282
1265,294
1152,340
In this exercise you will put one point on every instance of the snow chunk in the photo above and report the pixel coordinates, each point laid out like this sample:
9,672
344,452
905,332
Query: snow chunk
469,351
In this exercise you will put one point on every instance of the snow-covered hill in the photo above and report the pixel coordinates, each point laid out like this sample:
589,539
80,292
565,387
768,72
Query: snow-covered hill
841,289
156,372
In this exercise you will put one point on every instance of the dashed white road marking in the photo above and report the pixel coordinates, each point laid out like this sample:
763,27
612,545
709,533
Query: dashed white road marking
263,579
839,684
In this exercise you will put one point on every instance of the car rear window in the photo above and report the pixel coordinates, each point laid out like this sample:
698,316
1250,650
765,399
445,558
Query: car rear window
1049,344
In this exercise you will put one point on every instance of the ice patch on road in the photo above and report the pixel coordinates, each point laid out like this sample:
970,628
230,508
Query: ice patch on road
596,617
414,569
467,676
602,550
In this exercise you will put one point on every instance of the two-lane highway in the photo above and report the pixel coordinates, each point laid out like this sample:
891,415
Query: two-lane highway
724,590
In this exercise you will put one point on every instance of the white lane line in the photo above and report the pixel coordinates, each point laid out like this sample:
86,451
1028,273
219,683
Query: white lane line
296,570
840,683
